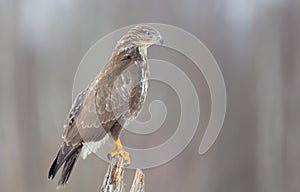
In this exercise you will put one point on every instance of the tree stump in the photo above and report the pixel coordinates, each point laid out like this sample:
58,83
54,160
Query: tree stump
113,179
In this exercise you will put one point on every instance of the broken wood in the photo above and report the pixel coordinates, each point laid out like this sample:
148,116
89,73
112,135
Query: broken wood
113,179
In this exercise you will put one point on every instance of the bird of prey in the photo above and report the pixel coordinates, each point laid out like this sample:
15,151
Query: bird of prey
111,101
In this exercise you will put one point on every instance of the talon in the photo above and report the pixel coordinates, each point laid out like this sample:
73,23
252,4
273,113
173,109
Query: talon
119,151
125,156
109,156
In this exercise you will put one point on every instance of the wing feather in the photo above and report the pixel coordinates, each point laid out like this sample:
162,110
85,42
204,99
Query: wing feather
99,107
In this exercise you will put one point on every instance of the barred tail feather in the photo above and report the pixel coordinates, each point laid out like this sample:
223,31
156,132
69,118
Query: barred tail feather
55,166
68,167
67,156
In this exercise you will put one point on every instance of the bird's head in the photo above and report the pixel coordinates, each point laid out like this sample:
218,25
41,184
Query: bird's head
145,35
141,36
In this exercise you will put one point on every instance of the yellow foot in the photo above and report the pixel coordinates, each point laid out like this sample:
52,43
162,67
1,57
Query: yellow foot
119,151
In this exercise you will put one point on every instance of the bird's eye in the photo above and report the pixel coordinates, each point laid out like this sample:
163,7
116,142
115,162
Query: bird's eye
149,34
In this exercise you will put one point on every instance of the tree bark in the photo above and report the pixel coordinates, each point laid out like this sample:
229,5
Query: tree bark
113,180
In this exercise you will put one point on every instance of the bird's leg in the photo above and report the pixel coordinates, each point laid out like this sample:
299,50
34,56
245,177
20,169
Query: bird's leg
119,151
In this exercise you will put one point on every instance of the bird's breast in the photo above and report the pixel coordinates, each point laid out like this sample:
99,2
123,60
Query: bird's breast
130,91
139,93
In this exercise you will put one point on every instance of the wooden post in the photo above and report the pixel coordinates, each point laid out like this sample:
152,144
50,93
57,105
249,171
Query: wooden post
113,180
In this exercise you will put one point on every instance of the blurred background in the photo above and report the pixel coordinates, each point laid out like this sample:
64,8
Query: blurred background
256,44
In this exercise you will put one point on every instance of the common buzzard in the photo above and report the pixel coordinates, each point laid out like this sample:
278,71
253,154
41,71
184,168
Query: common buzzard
113,99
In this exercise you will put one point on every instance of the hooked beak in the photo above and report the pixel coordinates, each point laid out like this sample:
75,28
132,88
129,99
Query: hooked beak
160,41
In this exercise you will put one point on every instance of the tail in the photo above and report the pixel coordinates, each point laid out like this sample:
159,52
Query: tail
66,155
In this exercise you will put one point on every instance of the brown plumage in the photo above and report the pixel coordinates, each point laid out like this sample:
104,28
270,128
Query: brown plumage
111,101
